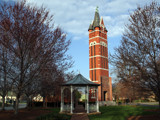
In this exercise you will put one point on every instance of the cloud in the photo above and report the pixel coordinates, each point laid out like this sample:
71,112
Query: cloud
116,25
74,16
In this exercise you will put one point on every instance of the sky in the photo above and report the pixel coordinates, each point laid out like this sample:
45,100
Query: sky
75,16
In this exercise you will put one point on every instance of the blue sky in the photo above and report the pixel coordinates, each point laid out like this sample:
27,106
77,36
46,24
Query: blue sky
74,16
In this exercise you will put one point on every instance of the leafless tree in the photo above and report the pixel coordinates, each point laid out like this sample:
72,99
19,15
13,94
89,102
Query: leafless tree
51,80
128,91
5,71
138,57
28,33
32,90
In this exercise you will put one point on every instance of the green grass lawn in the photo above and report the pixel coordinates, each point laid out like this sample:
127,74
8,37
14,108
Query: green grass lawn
120,112
54,115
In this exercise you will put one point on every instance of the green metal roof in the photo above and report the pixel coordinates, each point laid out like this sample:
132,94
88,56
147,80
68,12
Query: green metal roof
90,27
96,19
79,80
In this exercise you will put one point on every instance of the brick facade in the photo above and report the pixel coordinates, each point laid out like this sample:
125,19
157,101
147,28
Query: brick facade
98,58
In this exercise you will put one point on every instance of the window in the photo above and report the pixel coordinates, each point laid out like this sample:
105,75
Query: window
93,93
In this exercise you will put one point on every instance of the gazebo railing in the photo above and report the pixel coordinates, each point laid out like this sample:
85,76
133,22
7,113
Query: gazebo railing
67,108
92,107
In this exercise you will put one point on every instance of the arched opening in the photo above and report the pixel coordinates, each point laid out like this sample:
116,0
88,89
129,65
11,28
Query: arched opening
67,99
77,88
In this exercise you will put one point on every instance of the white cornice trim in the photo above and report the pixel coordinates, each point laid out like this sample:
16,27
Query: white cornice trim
98,69
98,56
95,81
99,31
97,37
95,43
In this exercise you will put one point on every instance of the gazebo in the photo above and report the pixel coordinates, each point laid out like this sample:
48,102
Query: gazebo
79,81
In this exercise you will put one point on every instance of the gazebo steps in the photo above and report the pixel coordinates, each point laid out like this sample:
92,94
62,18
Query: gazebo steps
79,109
80,117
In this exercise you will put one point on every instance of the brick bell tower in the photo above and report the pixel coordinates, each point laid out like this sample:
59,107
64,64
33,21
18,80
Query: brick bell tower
98,58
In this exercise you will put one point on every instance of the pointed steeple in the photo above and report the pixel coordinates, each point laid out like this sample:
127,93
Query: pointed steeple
90,27
102,24
101,21
96,19
97,22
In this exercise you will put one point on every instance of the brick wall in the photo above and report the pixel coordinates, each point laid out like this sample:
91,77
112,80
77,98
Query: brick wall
98,61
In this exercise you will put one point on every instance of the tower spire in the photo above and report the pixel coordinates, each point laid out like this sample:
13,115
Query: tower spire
96,19
97,9
98,58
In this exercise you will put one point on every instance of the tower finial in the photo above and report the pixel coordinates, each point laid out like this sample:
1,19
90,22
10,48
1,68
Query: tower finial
97,9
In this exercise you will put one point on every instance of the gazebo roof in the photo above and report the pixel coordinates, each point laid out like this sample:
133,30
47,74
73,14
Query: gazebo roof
79,80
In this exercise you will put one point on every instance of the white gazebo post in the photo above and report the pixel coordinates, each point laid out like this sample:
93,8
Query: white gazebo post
62,100
97,100
87,99
71,99
78,81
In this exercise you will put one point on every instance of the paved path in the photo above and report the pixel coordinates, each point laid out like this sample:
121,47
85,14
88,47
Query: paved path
79,113
150,104
80,117
21,105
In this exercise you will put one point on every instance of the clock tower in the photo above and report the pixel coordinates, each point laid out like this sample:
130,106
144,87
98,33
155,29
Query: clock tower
98,58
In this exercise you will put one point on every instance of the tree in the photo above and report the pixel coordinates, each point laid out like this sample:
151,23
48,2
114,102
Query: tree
28,33
129,91
137,58
32,90
5,70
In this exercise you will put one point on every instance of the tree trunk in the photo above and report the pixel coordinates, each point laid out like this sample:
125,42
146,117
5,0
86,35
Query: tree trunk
159,103
3,102
31,103
16,105
28,102
44,103
130,100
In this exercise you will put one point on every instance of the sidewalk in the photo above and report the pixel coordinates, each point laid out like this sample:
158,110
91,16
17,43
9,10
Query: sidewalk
149,104
79,113
82,116
11,107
